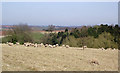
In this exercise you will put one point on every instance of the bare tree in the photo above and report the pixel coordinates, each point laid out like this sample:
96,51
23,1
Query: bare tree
20,33
51,28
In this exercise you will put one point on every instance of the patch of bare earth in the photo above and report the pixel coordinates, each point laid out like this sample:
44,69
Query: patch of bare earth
21,58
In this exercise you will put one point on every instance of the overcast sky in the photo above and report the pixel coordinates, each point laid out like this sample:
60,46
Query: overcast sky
60,13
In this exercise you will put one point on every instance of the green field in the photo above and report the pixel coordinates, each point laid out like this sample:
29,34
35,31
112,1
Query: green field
37,36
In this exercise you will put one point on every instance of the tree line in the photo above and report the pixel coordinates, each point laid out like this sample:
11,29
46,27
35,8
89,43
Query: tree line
106,36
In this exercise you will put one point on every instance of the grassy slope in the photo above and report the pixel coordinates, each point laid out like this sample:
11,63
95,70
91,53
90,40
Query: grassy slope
19,57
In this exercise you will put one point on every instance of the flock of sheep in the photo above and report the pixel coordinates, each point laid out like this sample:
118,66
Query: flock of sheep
38,45
108,49
50,46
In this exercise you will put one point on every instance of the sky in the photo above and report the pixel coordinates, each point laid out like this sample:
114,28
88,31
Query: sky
60,13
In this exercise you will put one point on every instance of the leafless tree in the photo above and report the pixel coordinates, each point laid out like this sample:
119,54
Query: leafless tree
51,28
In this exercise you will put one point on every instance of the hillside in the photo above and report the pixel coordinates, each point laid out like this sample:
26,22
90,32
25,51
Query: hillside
21,58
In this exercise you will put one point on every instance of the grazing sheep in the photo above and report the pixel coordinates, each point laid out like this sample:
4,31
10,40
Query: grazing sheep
50,46
32,44
10,44
63,45
24,44
17,43
102,48
27,44
67,46
109,48
41,45
56,45
7,42
35,45
85,46
114,49
46,45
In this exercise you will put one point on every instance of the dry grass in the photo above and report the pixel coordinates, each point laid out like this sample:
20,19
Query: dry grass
21,58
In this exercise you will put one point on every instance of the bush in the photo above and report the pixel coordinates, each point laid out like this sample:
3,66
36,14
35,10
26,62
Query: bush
18,33
71,41
105,40
21,42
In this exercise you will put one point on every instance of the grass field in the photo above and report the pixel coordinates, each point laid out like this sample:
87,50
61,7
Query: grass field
21,58
37,36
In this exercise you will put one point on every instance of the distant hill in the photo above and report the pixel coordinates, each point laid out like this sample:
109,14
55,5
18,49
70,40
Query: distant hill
40,28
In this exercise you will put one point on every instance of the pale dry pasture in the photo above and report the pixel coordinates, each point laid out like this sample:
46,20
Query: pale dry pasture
22,58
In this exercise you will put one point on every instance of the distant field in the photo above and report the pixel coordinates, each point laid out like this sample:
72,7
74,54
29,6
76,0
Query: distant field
21,58
37,35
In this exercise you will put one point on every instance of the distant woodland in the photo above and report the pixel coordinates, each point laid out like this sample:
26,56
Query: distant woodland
98,36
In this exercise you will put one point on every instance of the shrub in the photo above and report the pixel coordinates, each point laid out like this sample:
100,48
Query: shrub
71,41
19,33
21,42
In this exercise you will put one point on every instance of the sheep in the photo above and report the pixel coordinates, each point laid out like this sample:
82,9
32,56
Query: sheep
41,44
10,44
63,45
109,48
32,44
56,45
50,46
114,49
85,46
17,43
6,42
67,46
46,45
27,44
35,45
102,48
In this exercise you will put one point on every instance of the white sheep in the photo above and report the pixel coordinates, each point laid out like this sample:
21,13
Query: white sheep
63,45
50,46
35,45
56,45
27,44
109,48
102,48
17,43
67,46
46,45
114,49
32,44
41,44
85,46
10,44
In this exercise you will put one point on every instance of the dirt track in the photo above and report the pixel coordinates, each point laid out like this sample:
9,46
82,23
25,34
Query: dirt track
21,58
